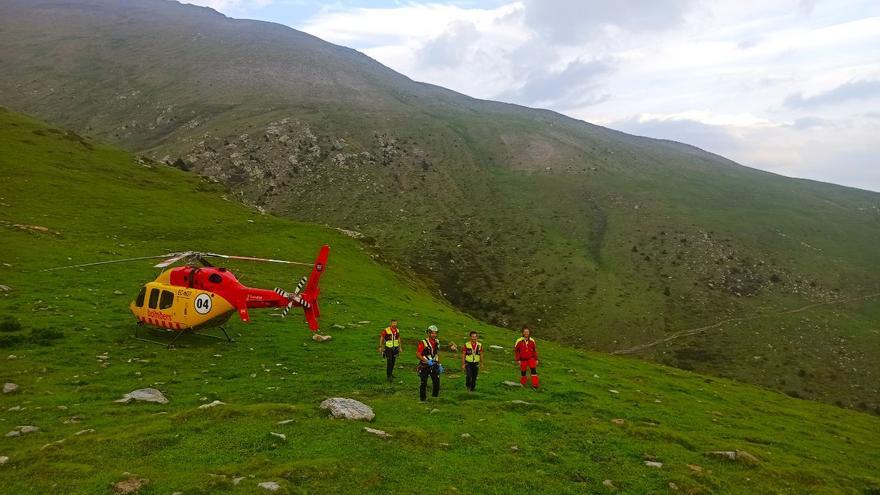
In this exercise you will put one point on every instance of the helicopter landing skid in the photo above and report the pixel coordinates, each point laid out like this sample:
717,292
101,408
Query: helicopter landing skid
177,335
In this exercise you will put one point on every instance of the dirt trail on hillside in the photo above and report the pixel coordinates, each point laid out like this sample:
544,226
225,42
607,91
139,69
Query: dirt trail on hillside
694,331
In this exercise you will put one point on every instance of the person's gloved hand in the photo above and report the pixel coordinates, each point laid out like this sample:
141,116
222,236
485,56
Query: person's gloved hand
430,362
439,368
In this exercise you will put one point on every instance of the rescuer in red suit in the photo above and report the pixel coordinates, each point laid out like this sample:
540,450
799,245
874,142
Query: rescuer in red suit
526,353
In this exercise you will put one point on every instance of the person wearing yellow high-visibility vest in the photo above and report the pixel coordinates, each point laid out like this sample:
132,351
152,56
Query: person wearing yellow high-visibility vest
472,360
429,363
389,347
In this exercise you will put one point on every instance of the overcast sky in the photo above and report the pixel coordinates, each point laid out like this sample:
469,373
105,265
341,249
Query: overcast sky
789,86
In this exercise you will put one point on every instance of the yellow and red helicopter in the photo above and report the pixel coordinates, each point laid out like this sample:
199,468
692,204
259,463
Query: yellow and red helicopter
189,298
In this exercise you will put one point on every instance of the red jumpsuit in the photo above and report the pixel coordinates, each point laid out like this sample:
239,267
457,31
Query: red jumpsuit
527,355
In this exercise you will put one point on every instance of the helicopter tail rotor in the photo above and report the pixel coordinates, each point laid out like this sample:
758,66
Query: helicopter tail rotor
306,293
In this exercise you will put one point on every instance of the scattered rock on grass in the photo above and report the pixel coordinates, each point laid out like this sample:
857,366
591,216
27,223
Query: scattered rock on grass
609,484
131,485
144,394
351,409
269,485
511,384
212,404
321,338
618,421
654,464
521,402
378,433
9,388
279,435
736,455
465,435
3,460
22,430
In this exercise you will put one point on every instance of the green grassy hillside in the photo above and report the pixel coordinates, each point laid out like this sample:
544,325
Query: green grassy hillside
65,199
514,215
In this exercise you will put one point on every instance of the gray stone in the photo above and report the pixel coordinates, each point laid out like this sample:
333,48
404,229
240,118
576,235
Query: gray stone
746,458
654,464
511,384
465,435
3,460
609,484
212,404
279,435
10,387
351,409
378,433
22,430
144,394
270,485
521,402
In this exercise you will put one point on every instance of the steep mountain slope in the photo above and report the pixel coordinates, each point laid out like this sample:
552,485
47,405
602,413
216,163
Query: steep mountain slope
516,215
68,199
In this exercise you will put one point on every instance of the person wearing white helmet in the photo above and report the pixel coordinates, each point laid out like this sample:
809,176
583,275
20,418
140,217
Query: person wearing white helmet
429,363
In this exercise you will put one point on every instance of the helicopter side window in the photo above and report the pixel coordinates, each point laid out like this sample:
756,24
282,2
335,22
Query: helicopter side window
154,298
166,300
215,278
139,302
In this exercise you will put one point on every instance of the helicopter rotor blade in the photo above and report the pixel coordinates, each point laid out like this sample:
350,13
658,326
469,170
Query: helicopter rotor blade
252,258
300,285
174,259
109,262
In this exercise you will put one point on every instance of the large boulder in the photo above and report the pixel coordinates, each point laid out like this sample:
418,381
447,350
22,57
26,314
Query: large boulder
348,409
144,394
